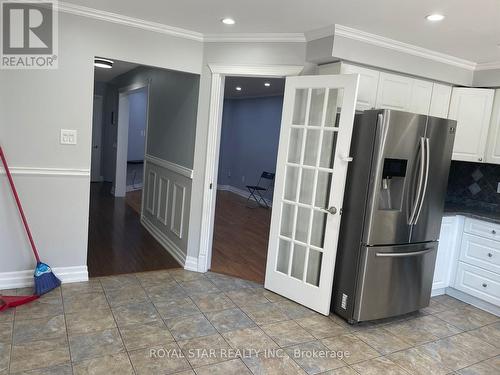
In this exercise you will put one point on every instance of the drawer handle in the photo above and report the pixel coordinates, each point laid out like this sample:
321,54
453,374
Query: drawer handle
490,255
493,231
485,285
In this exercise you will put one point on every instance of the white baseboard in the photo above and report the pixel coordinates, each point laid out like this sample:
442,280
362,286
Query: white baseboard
21,279
166,242
191,264
474,301
240,192
134,187
438,292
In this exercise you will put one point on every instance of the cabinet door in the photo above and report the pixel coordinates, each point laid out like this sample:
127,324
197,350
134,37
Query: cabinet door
493,149
421,93
440,101
472,110
368,83
394,92
446,249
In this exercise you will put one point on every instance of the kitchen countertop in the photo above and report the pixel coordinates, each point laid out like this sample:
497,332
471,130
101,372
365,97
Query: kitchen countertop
472,212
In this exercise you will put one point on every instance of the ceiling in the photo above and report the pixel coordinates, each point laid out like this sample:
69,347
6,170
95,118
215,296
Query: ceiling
471,29
252,87
119,67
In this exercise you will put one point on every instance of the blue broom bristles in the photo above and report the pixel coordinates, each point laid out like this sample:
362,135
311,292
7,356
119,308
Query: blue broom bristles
45,280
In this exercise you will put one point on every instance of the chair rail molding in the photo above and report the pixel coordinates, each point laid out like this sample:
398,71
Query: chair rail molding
186,172
54,172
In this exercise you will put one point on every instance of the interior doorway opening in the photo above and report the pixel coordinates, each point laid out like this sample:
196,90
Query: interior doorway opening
251,120
118,241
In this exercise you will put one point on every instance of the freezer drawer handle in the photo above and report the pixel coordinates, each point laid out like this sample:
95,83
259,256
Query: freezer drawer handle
410,254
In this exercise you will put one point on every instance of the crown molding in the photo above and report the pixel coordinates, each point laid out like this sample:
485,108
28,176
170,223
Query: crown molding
320,33
256,38
395,45
488,66
128,21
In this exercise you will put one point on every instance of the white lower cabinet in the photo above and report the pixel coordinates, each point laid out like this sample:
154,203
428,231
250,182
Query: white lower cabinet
478,282
468,260
448,239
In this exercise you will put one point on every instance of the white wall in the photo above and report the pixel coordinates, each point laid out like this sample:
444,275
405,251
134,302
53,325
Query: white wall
227,53
35,105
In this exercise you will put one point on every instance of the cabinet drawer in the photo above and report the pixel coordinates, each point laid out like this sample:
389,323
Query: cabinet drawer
482,228
478,283
481,252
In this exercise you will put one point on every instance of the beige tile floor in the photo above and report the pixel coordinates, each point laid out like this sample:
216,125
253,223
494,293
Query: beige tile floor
179,322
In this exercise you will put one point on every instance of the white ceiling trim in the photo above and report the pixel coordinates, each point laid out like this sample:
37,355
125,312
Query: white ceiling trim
129,21
488,66
395,45
256,37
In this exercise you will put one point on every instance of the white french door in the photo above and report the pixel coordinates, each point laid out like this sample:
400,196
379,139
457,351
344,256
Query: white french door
313,156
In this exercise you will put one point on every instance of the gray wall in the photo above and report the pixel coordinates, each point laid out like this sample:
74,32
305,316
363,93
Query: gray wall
138,102
173,103
487,78
249,140
36,104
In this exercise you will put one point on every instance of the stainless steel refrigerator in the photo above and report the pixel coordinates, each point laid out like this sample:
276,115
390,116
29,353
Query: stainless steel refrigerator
391,215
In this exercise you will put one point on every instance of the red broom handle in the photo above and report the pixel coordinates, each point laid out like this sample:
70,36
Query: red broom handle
18,202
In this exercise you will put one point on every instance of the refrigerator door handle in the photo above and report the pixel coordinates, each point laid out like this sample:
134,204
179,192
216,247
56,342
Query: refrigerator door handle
414,210
409,254
427,161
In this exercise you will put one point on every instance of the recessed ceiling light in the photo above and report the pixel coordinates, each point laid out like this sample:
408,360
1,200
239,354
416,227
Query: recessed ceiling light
267,84
228,21
238,88
434,17
103,63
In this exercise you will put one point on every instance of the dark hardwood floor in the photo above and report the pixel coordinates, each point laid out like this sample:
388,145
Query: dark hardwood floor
241,236
117,241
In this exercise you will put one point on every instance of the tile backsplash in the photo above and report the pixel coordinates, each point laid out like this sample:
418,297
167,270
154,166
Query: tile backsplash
474,185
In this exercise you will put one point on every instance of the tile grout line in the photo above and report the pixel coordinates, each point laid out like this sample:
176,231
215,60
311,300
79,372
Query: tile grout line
67,330
117,327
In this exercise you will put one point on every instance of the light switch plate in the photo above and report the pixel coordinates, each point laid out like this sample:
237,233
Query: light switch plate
68,137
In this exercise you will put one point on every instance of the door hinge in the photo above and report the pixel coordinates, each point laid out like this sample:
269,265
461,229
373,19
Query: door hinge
211,186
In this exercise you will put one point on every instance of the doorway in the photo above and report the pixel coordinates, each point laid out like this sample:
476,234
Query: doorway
118,242
248,150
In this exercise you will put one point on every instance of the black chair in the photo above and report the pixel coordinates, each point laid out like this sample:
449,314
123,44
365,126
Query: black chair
257,192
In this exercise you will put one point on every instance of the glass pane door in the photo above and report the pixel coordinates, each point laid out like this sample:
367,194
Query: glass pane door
317,126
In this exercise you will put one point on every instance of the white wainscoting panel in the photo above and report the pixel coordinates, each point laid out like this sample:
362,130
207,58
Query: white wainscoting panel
163,193
150,189
178,203
168,196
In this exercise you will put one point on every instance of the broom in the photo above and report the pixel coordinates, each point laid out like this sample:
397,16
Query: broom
45,280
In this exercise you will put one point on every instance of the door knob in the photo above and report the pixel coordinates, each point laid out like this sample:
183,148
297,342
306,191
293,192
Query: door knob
485,285
493,231
490,255
332,210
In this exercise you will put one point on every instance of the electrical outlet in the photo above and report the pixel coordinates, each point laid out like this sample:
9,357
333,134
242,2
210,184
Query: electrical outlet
498,188
68,137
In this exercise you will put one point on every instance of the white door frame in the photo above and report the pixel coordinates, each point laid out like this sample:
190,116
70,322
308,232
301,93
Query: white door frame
120,183
219,72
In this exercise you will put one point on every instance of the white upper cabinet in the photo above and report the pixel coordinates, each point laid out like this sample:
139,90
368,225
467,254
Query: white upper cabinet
421,94
472,110
493,147
440,101
368,83
394,92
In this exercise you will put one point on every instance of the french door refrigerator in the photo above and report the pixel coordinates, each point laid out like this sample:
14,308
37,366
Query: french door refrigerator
391,215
